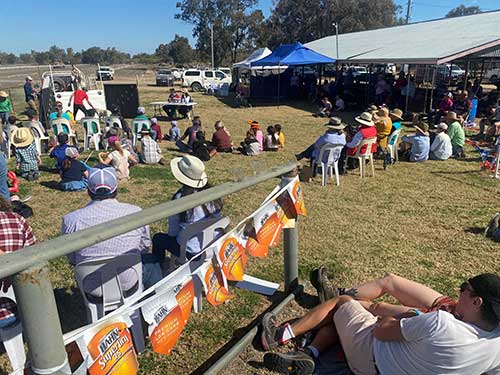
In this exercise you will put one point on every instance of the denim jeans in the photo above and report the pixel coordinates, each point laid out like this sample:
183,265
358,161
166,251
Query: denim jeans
74,185
4,116
4,187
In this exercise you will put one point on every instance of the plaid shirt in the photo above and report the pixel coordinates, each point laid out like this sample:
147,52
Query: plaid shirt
27,158
15,233
151,151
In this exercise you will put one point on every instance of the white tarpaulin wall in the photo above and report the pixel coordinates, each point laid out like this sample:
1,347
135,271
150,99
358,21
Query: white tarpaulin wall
254,56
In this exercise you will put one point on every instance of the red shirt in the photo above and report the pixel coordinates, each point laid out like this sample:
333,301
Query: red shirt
80,96
157,128
15,233
221,139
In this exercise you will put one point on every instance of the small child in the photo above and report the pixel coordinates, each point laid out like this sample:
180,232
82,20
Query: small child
58,151
201,149
281,136
174,132
250,146
27,157
74,174
156,130
271,142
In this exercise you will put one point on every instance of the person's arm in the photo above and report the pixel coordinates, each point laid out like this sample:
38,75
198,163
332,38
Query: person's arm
70,99
90,104
145,241
356,140
86,173
388,329
102,160
132,158
158,149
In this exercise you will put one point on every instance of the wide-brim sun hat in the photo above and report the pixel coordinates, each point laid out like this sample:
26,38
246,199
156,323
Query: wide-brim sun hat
422,128
189,171
3,94
365,118
451,116
335,123
21,137
397,113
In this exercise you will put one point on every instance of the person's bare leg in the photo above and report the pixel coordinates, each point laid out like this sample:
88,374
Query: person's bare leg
407,292
325,338
384,309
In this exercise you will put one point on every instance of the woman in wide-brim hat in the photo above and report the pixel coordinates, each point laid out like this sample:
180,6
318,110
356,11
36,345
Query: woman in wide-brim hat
190,172
365,131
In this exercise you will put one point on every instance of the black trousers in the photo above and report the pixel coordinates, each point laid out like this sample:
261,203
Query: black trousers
79,107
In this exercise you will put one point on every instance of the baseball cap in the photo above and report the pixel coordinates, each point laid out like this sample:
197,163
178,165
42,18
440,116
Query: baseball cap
154,120
487,286
174,123
71,152
103,179
443,126
141,110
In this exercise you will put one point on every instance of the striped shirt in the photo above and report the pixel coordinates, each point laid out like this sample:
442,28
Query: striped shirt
15,233
98,212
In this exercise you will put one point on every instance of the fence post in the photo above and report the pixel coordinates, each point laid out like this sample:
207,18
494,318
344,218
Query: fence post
41,327
290,246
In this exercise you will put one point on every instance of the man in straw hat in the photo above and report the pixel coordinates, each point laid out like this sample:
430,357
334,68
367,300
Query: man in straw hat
420,143
432,334
396,117
190,172
333,135
30,94
27,158
102,188
456,133
5,107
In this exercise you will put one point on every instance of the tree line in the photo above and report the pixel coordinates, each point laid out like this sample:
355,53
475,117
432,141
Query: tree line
238,28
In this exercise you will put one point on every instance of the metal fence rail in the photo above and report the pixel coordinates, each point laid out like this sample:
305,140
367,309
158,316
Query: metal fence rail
34,292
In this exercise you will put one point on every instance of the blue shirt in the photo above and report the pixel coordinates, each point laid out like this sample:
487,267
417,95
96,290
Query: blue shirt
59,153
28,91
420,145
328,137
175,133
53,116
4,187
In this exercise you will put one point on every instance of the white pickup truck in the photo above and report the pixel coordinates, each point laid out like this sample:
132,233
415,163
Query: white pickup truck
492,75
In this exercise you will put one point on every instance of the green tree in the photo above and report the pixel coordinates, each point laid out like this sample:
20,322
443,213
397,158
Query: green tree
308,20
26,58
179,50
462,10
232,22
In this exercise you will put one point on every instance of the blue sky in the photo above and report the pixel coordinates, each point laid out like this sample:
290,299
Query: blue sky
131,26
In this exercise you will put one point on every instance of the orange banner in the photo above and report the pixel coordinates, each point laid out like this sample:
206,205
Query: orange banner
184,298
111,349
167,329
213,282
298,197
233,259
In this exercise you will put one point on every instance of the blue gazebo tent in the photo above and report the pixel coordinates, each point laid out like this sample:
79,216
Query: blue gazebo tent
288,55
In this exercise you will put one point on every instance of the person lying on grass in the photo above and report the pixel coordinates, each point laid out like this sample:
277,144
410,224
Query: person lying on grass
428,334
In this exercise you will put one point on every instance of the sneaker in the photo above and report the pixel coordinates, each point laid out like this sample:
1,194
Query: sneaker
296,363
29,176
269,333
36,176
325,289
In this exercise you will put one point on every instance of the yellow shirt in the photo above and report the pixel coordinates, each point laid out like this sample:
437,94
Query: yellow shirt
384,126
282,139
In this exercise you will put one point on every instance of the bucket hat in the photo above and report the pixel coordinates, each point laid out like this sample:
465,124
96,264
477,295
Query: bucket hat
365,118
189,170
335,123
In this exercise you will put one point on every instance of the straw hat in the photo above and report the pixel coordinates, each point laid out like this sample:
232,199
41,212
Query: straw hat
365,118
382,112
423,128
3,94
21,137
397,113
189,170
335,123
451,116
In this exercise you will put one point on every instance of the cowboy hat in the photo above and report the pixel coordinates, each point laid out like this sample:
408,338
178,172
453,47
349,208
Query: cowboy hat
365,118
3,94
335,123
382,112
397,113
451,116
189,170
21,137
422,128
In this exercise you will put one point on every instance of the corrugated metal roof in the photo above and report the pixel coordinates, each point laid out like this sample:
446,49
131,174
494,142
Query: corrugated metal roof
429,42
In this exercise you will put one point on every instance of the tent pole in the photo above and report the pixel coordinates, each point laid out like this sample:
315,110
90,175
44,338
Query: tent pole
407,89
467,67
432,89
279,81
426,88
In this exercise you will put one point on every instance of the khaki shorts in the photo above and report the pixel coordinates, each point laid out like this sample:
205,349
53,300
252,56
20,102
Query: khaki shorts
355,326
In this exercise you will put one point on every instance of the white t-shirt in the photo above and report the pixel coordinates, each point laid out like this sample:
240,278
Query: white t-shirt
116,157
438,343
441,146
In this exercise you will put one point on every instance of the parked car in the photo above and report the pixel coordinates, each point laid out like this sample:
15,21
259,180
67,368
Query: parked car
177,73
358,70
443,72
226,71
164,77
198,79
492,75
105,73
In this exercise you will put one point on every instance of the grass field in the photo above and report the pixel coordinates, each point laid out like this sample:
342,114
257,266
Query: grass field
423,221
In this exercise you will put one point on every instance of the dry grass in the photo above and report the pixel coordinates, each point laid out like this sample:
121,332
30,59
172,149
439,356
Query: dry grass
417,220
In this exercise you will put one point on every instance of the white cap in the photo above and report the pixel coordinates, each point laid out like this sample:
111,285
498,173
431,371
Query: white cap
442,126
29,78
154,120
141,110
174,123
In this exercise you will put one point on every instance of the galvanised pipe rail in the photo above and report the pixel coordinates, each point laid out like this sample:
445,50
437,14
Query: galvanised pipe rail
66,244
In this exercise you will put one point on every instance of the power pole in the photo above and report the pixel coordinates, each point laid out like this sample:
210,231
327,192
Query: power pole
212,43
408,12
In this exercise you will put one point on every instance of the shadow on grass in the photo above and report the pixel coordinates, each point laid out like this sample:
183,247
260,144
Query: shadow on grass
301,104
71,308
51,185
276,299
474,230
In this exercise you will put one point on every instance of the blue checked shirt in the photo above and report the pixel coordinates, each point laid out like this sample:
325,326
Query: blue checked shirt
27,158
99,212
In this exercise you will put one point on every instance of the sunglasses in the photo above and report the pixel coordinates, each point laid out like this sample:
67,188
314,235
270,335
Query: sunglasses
466,286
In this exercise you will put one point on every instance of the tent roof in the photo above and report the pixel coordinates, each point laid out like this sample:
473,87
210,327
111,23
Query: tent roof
293,54
430,42
254,56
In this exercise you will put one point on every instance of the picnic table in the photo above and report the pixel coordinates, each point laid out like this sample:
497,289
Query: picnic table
158,106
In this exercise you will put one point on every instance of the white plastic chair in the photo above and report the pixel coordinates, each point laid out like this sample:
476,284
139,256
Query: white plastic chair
206,230
8,130
12,339
38,132
367,154
137,126
113,121
392,144
92,129
328,159
108,269
61,125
